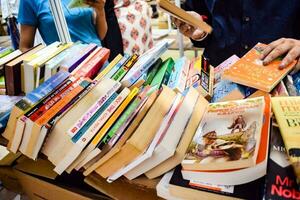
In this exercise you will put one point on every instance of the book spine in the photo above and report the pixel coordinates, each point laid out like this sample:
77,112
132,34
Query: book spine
175,75
93,109
183,76
91,68
88,87
153,71
93,121
111,65
114,117
128,112
39,109
66,97
82,141
117,66
123,70
9,80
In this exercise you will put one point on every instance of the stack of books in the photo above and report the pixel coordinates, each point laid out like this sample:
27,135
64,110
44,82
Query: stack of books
140,114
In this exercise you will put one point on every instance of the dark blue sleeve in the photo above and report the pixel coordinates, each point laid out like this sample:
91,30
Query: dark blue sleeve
27,13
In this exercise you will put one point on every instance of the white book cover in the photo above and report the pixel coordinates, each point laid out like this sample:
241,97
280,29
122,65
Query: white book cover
10,56
160,133
166,148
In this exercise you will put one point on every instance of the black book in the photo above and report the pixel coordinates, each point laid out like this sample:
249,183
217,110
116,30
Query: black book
280,180
252,190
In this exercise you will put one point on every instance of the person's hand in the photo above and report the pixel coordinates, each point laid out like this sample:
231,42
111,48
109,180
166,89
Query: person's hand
98,5
290,47
189,30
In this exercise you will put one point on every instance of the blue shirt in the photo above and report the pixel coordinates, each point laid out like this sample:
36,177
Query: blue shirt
37,13
239,24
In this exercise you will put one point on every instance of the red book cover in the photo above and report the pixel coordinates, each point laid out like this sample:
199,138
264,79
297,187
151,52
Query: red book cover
93,66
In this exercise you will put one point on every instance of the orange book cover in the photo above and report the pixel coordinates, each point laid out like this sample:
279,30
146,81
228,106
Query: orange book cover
250,71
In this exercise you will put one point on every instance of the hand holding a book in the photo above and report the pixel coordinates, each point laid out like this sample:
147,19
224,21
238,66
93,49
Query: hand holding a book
189,30
289,48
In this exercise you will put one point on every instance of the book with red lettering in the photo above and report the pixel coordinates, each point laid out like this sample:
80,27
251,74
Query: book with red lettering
280,180
250,71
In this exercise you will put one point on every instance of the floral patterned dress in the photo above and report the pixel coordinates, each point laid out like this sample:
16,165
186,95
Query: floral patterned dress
134,17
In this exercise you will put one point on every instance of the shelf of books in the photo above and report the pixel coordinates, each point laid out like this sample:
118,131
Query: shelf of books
140,125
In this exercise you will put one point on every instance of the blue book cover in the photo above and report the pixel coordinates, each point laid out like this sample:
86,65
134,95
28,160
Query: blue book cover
224,88
91,121
296,81
44,89
174,79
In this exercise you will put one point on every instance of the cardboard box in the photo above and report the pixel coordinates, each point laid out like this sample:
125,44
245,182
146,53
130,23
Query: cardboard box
123,189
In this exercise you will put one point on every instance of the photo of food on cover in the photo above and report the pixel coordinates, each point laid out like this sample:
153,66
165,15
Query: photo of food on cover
229,132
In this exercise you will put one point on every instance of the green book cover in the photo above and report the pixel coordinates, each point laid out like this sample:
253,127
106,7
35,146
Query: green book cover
77,3
2,82
153,71
163,74
125,68
6,52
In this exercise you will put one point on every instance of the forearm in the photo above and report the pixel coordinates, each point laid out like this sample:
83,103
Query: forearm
101,24
27,37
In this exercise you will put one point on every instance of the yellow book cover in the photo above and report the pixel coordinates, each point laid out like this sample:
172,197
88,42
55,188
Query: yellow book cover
109,67
287,113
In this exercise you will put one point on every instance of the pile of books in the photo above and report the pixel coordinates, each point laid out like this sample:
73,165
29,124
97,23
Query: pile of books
140,114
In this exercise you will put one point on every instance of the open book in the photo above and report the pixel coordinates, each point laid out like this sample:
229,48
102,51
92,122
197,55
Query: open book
173,10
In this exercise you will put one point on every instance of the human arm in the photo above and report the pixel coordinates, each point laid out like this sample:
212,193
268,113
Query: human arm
27,37
100,19
284,46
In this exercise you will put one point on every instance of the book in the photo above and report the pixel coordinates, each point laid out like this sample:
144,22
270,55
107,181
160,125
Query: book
142,136
227,91
219,70
286,110
77,3
91,67
115,132
30,100
58,137
5,52
280,179
7,59
117,66
55,104
80,140
162,187
144,63
102,129
6,105
40,71
2,82
125,68
54,65
150,150
163,74
73,62
179,76
13,78
134,121
234,143
239,176
181,14
250,71
152,71
190,129
109,67
167,144
182,188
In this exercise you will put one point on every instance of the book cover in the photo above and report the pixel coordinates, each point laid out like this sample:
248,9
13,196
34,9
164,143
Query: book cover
93,66
117,66
109,67
227,91
163,74
77,3
233,144
152,71
286,110
32,98
219,70
250,71
280,180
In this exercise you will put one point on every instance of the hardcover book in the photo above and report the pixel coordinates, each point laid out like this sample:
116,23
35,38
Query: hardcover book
250,71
